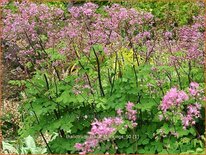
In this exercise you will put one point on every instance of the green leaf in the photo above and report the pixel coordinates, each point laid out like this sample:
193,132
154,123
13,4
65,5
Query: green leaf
122,143
122,131
183,132
159,147
145,141
166,128
185,140
129,149
164,151
192,131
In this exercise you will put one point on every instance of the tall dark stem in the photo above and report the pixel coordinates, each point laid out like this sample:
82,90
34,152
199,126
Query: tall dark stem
55,111
99,73
189,71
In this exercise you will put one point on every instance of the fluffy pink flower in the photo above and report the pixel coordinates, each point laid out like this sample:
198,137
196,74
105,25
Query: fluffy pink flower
173,98
131,114
129,106
119,112
168,34
193,111
78,146
194,88
88,12
118,121
75,11
191,37
100,131
182,96
194,85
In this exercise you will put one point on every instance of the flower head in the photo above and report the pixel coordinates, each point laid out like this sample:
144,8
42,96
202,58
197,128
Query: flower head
173,98
194,89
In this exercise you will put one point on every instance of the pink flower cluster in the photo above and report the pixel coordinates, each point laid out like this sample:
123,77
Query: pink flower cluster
29,22
88,9
100,131
131,114
193,111
104,128
173,98
29,19
168,35
187,41
107,30
190,39
120,27
193,89
84,28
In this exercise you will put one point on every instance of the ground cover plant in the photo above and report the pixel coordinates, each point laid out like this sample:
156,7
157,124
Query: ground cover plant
104,77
